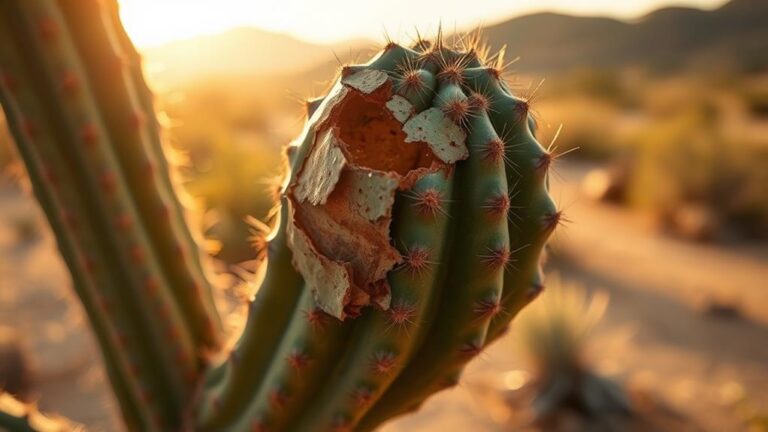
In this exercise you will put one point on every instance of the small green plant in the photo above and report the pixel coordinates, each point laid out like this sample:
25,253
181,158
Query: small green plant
413,215
554,334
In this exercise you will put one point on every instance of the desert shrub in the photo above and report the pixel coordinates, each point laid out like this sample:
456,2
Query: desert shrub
689,158
230,153
675,161
589,125
554,332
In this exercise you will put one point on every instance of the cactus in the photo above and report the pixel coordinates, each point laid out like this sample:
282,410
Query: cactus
413,216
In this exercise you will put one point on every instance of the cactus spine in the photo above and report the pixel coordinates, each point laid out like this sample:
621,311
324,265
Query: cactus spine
412,221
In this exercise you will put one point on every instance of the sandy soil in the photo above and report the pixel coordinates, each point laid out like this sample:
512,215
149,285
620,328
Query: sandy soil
654,336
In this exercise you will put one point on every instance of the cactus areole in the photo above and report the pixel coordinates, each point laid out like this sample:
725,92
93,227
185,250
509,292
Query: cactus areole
414,212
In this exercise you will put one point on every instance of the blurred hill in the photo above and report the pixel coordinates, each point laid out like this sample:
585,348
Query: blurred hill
244,51
732,37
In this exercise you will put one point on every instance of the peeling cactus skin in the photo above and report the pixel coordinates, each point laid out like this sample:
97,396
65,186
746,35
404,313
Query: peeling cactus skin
342,197
413,216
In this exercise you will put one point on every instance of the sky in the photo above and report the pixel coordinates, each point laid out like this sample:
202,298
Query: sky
154,22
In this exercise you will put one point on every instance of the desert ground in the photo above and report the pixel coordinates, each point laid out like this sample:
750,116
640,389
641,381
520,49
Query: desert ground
687,323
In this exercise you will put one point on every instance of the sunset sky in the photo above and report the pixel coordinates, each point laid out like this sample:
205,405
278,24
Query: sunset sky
153,22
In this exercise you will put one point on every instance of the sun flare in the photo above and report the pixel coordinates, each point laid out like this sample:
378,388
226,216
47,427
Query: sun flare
154,22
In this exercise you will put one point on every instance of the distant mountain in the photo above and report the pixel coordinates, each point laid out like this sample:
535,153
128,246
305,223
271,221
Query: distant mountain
238,52
734,35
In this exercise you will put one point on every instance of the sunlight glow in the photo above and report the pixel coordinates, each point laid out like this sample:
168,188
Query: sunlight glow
154,22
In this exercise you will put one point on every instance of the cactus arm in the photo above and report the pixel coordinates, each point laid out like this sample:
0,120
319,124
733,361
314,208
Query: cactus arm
57,60
150,350
117,364
120,97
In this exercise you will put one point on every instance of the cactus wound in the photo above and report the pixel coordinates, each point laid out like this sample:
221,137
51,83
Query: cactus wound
368,146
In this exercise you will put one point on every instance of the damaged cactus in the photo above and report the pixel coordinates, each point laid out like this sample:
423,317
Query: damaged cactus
415,226
413,219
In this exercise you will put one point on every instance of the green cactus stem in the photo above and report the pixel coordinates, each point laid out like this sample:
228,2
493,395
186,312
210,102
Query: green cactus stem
79,122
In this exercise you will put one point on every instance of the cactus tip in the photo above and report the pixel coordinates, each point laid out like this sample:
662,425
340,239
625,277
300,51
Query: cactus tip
452,72
498,205
495,150
458,110
479,101
488,308
553,220
497,257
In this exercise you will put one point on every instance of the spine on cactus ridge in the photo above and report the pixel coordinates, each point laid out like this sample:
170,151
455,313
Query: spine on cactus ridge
85,126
